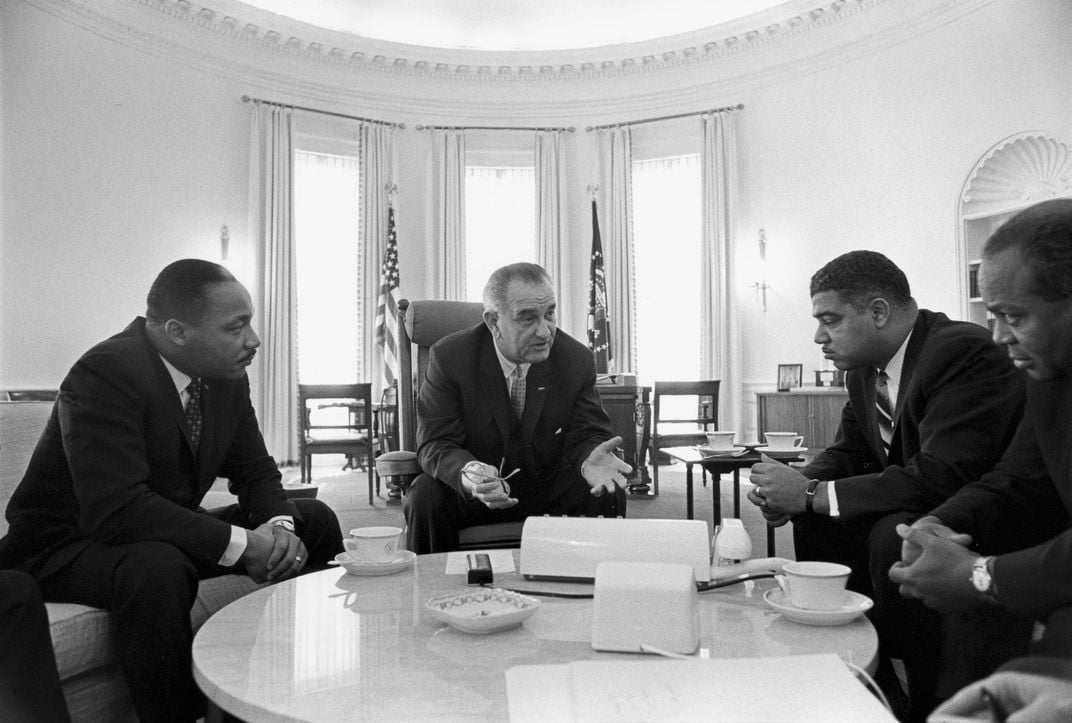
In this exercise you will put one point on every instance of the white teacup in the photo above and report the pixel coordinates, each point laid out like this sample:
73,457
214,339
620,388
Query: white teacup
815,585
373,544
784,440
721,441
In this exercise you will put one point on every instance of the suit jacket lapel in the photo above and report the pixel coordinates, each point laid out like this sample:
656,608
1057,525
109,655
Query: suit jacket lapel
493,385
536,385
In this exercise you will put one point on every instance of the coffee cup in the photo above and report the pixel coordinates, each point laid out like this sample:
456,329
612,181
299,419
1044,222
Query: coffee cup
815,585
783,440
373,544
721,441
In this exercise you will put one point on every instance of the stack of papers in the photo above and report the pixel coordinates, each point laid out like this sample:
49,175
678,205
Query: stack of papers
790,688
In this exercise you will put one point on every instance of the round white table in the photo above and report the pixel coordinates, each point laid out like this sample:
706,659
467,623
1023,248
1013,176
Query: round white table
330,646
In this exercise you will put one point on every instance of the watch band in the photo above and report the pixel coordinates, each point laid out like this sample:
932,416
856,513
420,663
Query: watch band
809,496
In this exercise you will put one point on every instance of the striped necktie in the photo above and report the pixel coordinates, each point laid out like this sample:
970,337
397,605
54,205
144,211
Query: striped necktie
883,409
193,413
517,390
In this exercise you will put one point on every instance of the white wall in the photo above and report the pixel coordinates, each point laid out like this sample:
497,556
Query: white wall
122,151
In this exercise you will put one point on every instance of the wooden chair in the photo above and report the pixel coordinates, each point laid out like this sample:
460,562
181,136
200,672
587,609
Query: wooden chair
336,419
704,420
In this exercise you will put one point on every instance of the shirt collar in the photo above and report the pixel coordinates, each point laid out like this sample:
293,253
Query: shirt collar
181,380
896,364
508,366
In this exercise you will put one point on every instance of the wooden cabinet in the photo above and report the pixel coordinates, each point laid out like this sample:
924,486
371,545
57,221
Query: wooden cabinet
814,412
627,407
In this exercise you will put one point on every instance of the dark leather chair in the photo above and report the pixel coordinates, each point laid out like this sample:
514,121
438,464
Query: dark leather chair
704,394
336,419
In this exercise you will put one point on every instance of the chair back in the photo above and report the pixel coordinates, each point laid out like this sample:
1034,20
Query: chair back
352,411
698,423
421,323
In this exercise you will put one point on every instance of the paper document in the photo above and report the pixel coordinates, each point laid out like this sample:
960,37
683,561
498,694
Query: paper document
789,688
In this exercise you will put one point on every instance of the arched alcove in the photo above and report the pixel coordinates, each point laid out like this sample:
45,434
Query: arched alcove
1015,173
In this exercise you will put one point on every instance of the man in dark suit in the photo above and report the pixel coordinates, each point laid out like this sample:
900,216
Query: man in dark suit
510,394
108,512
932,403
1004,542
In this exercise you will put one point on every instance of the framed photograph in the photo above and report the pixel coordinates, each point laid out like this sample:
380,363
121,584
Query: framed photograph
790,376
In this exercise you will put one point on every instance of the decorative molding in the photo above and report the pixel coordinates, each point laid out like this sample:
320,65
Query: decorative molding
1020,170
352,51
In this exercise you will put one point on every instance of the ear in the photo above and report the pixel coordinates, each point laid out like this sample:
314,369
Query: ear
880,312
175,332
491,320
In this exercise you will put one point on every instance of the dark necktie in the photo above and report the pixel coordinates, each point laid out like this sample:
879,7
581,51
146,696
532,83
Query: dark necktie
517,390
193,413
883,409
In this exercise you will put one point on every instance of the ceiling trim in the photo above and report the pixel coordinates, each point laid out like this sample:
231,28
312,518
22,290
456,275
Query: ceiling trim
314,44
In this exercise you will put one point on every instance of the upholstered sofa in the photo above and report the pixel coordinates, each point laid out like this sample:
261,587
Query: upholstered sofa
82,635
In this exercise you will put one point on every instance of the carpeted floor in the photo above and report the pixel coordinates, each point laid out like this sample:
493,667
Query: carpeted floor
347,493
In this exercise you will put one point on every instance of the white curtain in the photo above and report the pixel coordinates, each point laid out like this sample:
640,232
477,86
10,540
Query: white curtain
551,215
616,228
377,159
720,352
447,258
274,387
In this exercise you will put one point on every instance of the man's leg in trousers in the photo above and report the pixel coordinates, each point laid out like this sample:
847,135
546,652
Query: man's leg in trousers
434,514
29,684
819,537
907,629
320,532
149,587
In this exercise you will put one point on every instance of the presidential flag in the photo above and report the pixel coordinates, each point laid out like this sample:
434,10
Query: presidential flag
387,308
598,325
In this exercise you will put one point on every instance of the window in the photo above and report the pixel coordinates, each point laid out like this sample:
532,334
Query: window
328,252
667,237
500,221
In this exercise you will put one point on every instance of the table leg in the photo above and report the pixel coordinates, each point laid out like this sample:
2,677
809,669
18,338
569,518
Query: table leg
737,492
770,541
688,490
716,499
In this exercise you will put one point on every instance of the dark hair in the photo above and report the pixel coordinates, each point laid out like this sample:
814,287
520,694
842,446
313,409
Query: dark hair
1043,235
495,289
179,290
860,276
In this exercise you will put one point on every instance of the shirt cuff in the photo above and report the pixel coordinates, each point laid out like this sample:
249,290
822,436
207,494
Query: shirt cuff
235,547
831,496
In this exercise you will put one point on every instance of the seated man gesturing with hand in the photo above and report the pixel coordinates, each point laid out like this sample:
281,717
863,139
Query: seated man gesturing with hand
509,422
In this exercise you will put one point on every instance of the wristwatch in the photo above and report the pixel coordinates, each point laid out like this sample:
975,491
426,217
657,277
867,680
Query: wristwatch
285,524
809,495
982,580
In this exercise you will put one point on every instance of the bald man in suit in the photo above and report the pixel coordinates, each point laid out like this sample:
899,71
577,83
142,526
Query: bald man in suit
511,393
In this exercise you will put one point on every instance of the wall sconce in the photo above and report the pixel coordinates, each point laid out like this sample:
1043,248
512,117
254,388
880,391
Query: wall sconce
225,242
761,286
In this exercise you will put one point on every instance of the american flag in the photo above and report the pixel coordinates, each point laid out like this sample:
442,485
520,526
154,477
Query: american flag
387,308
598,327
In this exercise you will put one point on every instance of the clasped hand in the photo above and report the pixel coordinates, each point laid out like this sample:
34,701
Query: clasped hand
273,553
935,565
779,490
603,470
484,483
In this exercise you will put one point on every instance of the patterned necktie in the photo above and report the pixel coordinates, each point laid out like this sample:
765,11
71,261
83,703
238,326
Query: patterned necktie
883,409
517,390
193,413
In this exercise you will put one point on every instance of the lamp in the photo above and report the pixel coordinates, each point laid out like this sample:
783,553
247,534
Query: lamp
761,286
225,242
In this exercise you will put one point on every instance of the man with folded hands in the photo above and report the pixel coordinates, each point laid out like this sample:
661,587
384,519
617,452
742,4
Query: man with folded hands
932,404
108,512
1004,542
509,422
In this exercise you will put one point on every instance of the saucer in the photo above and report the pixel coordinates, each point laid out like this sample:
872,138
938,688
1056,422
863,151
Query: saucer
487,610
712,452
854,606
402,560
792,453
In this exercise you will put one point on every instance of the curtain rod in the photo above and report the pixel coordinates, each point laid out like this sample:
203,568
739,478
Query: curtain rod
739,106
248,99
491,128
